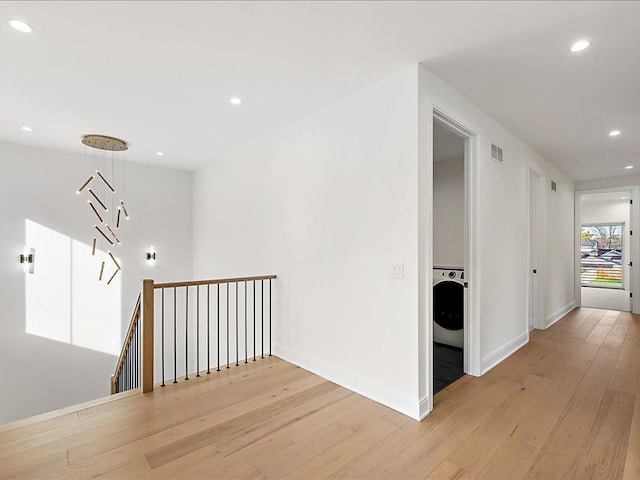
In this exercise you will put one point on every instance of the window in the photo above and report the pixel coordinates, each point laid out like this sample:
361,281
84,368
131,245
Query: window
601,251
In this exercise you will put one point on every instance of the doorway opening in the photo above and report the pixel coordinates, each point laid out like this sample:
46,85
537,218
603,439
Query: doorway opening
449,252
605,238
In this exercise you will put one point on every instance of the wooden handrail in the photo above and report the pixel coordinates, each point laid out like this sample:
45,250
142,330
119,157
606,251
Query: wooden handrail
213,282
125,346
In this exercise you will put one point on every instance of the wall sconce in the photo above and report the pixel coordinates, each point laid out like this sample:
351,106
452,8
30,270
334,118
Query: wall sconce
27,259
151,256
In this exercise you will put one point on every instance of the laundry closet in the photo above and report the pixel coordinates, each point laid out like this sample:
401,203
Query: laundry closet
448,256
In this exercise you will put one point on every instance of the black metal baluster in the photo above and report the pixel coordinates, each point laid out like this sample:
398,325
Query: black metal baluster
262,316
246,356
237,354
269,317
254,320
186,333
227,325
130,367
175,339
197,330
162,346
208,335
218,337
135,358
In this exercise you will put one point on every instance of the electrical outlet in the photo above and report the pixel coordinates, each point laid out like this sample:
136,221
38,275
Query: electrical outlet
397,270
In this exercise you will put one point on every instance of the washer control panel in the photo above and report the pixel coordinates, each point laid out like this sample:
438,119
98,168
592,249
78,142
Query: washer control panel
450,274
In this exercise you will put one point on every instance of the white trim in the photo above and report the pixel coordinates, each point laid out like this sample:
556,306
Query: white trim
502,353
558,314
372,390
472,364
424,408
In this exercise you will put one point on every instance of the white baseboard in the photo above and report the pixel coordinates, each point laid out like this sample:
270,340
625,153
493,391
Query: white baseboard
424,408
368,388
499,355
558,314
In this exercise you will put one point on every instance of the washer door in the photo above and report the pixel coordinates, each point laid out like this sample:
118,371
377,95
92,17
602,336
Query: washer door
448,305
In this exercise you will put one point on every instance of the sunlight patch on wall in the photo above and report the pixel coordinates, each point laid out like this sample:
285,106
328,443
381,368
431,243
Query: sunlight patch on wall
64,300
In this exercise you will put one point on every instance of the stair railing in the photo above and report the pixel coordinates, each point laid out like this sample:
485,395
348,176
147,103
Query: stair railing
127,373
236,313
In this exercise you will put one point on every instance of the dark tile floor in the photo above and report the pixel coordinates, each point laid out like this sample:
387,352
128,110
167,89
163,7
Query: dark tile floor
447,366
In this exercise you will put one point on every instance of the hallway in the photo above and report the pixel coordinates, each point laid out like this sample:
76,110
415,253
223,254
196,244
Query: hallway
566,405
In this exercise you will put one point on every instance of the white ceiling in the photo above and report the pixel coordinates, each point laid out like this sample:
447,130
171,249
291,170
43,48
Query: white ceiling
563,104
160,74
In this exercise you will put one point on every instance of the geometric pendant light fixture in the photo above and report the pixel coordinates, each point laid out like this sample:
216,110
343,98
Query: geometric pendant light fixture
104,188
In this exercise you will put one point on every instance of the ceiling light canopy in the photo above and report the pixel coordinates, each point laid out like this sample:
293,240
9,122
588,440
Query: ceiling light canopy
235,100
628,167
20,26
580,45
26,129
614,133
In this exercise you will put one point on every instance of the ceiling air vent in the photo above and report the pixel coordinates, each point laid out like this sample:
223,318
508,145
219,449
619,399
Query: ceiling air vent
496,153
554,187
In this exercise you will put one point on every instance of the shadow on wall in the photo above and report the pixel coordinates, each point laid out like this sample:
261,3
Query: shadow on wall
64,301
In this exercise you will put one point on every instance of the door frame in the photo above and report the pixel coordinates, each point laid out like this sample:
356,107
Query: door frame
536,282
472,363
634,244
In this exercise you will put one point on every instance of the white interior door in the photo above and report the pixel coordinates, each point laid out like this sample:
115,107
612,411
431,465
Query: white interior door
535,197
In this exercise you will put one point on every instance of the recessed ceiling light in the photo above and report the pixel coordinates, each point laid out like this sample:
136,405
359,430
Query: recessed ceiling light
614,133
235,100
160,154
628,167
27,129
20,26
579,45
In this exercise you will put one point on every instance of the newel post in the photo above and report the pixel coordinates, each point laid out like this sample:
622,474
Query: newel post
147,335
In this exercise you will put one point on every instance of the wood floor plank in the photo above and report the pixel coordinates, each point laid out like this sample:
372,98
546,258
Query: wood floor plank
632,457
209,436
606,446
566,405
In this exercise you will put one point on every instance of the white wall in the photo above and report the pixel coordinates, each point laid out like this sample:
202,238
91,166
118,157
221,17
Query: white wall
332,201
448,213
559,253
329,204
501,276
39,185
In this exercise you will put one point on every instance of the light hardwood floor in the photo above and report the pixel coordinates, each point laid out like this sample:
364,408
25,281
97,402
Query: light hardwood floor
565,406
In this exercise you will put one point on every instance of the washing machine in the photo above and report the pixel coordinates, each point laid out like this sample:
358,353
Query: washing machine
448,306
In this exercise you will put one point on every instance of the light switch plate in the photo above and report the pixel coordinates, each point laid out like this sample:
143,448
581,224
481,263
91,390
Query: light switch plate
397,270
